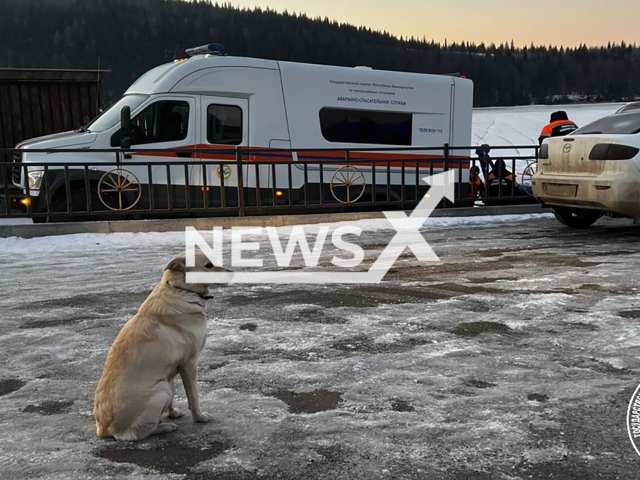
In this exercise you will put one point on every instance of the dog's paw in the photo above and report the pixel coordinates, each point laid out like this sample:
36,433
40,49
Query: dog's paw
174,413
165,427
171,426
202,417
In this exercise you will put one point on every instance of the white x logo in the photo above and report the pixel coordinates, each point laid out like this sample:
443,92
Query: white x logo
407,236
408,228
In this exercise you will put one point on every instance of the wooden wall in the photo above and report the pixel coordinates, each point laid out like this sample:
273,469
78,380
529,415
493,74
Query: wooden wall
40,102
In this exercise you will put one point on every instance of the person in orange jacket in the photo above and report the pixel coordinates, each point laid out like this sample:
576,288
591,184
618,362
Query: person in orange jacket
559,126
476,185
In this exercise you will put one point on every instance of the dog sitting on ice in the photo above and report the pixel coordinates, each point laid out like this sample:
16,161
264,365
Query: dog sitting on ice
163,339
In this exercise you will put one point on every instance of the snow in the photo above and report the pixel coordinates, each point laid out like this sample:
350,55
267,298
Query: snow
482,366
16,221
98,243
563,336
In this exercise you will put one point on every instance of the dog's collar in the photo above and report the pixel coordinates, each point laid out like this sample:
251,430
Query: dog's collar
202,296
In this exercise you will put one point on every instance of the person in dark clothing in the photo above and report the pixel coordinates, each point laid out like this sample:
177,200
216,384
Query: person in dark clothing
476,185
559,125
501,186
501,181
484,159
498,182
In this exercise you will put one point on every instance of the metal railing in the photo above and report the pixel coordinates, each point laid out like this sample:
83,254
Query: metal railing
145,183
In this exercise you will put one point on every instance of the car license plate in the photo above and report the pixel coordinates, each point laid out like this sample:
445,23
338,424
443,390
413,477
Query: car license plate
560,190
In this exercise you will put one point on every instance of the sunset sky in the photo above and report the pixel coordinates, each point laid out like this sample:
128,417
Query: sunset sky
594,22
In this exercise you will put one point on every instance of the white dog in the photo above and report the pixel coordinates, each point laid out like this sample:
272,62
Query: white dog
163,339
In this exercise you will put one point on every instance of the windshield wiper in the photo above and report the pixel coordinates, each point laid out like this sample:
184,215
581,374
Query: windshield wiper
83,129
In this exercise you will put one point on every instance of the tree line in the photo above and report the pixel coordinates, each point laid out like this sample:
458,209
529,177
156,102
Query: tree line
129,37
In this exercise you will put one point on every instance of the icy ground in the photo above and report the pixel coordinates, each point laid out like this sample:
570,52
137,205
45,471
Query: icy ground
514,358
522,125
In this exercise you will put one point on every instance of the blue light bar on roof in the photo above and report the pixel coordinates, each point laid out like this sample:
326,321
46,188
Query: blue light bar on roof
211,48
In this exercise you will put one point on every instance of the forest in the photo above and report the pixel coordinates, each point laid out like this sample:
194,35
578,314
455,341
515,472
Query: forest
128,37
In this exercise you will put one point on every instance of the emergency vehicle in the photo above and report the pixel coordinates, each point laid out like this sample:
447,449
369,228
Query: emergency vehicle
210,104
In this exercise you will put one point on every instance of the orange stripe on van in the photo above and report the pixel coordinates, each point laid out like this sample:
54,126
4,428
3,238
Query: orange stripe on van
364,159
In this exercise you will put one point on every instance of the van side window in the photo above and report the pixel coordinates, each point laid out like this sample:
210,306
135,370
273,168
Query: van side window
224,124
161,122
363,126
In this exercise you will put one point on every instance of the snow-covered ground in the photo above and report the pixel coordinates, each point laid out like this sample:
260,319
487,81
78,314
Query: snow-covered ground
514,358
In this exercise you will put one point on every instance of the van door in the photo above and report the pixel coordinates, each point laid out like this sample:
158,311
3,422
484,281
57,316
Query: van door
167,122
224,126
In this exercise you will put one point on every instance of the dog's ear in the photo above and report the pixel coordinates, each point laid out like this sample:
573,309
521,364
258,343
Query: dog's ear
177,264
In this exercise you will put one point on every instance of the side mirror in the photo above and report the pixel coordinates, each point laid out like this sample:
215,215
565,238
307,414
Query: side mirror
126,128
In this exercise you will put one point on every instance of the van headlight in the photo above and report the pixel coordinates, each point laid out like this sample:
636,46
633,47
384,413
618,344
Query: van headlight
35,179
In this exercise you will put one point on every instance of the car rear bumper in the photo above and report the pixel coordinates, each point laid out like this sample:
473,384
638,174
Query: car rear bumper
610,192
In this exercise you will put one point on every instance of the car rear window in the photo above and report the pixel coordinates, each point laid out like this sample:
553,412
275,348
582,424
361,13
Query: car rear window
627,123
629,106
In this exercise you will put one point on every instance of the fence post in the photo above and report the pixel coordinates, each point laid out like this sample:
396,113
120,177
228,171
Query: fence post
240,181
5,180
445,149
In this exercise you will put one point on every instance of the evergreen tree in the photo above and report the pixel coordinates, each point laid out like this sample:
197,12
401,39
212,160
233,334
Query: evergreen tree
130,37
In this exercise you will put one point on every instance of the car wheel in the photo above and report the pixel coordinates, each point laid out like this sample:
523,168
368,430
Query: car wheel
576,217
78,206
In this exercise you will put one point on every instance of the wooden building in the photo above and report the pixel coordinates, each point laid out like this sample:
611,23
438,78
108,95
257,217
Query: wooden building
40,102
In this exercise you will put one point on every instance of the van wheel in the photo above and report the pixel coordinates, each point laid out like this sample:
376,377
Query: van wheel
78,205
59,205
576,217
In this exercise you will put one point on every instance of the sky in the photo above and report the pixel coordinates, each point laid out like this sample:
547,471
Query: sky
542,22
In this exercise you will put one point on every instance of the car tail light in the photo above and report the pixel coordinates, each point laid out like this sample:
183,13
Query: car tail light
612,151
544,151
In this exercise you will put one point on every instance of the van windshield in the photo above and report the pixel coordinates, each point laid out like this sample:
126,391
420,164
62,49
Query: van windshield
111,116
617,124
